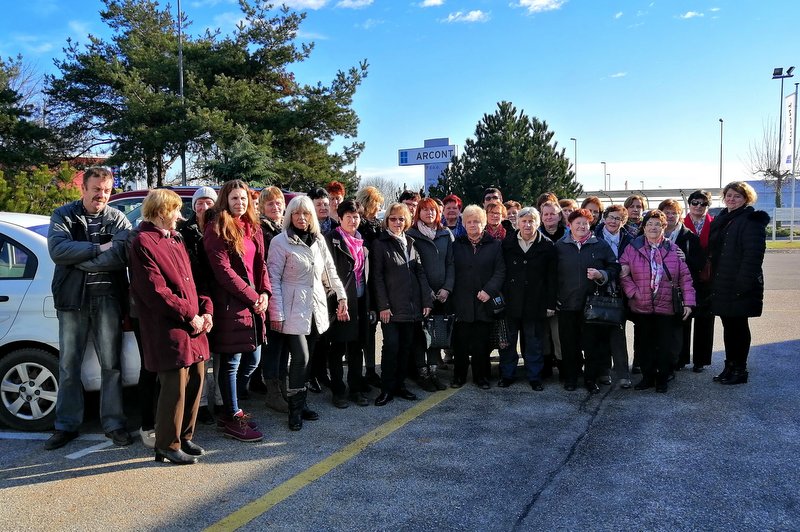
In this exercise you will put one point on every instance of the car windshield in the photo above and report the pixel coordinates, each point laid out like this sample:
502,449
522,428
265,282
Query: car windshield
40,229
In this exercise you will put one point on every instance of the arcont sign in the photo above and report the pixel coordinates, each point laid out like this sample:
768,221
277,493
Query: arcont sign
433,154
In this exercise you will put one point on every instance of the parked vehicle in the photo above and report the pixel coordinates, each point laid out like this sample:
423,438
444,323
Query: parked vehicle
29,328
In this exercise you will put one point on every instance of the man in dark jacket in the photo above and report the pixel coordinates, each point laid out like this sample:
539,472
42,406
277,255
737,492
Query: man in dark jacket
87,242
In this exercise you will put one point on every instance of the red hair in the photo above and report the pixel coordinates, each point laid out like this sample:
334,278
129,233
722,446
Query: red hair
580,213
334,187
427,203
452,198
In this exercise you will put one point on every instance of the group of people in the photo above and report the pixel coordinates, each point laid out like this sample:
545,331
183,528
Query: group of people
277,296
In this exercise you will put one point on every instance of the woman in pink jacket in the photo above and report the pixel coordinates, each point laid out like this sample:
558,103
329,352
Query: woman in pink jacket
650,269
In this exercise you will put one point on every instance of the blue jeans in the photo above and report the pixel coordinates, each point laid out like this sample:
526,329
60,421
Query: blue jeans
228,372
102,317
532,331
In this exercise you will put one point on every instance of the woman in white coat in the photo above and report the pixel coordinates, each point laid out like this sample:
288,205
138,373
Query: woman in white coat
302,272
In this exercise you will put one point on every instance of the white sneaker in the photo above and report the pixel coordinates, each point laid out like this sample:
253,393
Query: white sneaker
148,438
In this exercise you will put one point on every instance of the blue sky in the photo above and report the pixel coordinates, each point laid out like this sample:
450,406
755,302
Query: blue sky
640,84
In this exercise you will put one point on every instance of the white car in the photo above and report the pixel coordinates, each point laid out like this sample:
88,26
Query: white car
29,328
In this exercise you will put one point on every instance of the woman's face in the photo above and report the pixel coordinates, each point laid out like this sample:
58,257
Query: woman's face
451,211
672,217
237,202
494,216
512,215
428,214
527,226
653,229
698,208
273,209
635,211
579,227
334,202
474,226
170,220
594,208
397,222
322,206
550,217
301,219
565,212
733,200
613,222
350,222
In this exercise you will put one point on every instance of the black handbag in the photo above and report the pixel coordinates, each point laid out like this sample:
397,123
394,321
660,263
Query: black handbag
498,338
438,329
604,309
677,295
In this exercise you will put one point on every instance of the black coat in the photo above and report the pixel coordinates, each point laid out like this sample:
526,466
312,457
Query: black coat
530,286
437,257
689,243
573,285
737,243
399,283
482,269
348,331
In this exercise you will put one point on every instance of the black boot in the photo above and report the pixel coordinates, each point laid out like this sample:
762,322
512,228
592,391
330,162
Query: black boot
648,381
738,375
725,372
296,403
305,412
425,382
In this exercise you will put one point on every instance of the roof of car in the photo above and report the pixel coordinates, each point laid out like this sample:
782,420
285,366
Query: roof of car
24,219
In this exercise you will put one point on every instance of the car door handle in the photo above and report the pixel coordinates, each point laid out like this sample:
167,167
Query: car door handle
3,299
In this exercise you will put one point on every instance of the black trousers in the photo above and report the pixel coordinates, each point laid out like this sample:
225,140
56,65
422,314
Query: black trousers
657,338
736,335
580,339
471,345
702,344
398,342
147,388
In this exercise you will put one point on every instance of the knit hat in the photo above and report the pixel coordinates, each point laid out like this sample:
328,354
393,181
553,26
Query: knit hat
204,192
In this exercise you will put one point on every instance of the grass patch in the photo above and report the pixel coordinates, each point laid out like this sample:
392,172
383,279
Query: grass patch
783,244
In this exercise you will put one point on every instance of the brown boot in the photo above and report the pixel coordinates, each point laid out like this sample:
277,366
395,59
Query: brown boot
275,400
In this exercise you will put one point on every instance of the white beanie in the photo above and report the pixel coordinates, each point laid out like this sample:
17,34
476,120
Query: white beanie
204,192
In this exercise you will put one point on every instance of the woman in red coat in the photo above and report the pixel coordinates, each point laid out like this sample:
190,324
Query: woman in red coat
240,287
174,321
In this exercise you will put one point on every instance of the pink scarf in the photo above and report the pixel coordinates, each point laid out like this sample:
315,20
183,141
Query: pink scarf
355,245
656,264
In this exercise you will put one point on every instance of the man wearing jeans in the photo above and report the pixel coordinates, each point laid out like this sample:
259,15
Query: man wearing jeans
87,242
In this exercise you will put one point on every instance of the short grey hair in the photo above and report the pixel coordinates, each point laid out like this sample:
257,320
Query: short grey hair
304,204
530,211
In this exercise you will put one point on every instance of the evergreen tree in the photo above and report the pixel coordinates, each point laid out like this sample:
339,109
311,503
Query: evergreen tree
513,152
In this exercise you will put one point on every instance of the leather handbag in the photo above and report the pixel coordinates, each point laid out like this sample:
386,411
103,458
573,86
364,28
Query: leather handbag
677,295
438,329
498,338
604,309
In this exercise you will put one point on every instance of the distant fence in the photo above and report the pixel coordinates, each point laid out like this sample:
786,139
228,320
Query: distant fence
783,216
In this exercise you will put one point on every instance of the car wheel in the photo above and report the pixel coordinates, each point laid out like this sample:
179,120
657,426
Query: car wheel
28,389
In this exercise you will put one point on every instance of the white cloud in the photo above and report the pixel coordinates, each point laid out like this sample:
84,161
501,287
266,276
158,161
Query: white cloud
209,3
618,75
78,28
690,14
539,6
618,15
227,22
431,3
714,9
311,36
354,4
472,16
369,23
305,4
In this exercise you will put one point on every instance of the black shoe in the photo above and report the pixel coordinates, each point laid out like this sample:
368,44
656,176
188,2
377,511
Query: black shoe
661,387
457,382
204,416
644,384
536,386
313,385
176,457
120,437
505,382
737,376
59,439
483,384
359,398
192,449
340,401
592,387
570,386
724,375
372,378
698,368
383,399
403,393
309,415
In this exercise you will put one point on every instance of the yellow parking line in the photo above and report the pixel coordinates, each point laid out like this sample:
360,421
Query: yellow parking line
249,512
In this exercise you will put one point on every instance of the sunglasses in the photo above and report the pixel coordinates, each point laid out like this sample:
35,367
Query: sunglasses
698,203
396,219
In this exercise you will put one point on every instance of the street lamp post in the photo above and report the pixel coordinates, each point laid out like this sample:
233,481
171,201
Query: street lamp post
575,158
608,176
778,73
604,174
720,153
180,87
794,164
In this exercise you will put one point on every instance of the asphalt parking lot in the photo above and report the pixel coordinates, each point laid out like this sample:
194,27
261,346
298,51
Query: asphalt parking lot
701,457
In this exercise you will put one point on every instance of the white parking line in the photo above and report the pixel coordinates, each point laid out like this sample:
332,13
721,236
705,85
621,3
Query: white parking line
89,450
46,435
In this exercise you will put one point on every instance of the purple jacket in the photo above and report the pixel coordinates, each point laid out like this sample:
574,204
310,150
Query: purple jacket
166,298
637,285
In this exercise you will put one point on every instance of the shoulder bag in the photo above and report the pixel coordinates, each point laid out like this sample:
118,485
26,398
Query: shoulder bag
604,309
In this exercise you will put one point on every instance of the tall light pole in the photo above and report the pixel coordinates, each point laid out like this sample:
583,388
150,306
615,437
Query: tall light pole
604,174
575,158
608,176
794,163
720,153
180,87
778,73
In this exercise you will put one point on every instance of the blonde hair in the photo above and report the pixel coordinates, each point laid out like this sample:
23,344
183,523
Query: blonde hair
303,204
371,200
160,202
473,210
742,188
403,209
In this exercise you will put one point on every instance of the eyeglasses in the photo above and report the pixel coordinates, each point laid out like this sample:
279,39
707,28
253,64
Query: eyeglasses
698,203
490,198
396,219
614,218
